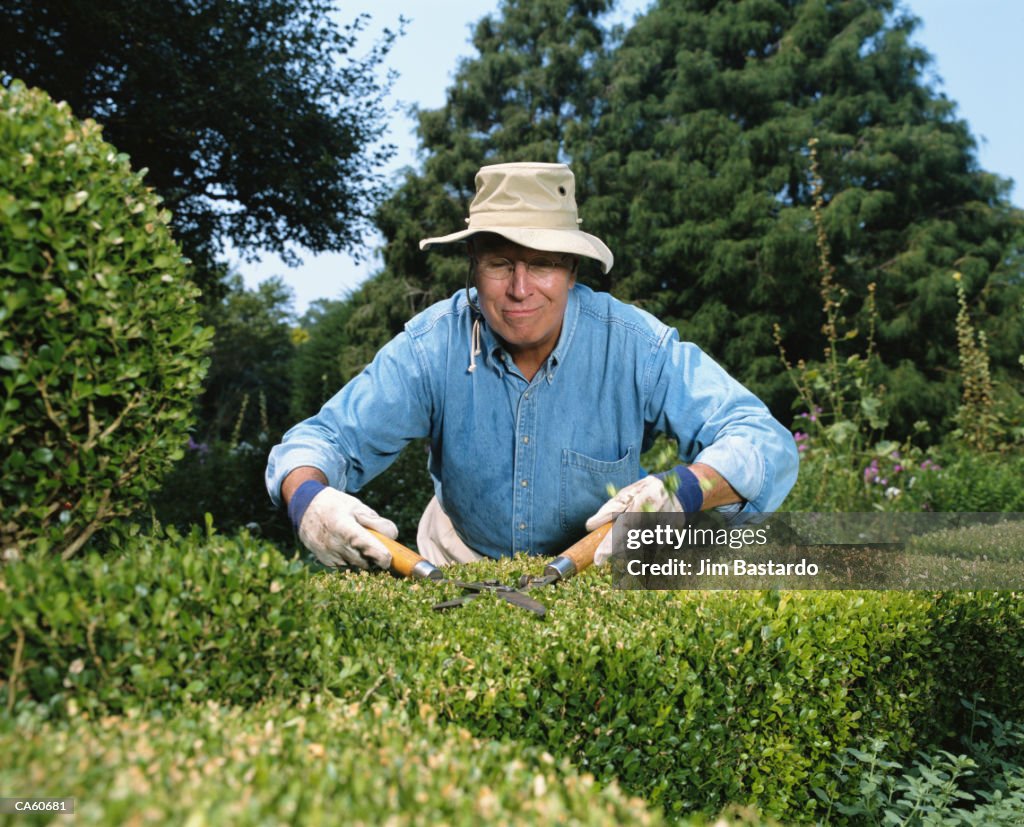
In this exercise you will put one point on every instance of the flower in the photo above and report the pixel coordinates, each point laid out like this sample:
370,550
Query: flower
201,447
871,472
892,492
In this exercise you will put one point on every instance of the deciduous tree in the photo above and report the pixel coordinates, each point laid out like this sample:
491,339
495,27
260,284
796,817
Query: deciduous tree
259,121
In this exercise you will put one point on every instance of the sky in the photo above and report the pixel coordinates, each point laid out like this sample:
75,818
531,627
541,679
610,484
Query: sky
975,45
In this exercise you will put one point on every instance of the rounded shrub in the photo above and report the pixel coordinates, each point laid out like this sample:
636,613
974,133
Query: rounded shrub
101,352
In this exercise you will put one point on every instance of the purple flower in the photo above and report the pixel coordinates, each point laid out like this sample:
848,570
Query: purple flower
201,447
871,472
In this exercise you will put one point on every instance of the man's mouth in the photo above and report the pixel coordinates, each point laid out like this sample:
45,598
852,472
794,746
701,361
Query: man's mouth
519,312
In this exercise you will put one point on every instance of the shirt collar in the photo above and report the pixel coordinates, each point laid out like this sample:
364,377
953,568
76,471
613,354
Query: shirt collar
569,322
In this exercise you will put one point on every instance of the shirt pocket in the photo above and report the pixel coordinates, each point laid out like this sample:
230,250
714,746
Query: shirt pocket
585,485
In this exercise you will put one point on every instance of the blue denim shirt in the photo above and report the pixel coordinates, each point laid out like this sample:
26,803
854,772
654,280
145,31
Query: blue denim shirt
519,466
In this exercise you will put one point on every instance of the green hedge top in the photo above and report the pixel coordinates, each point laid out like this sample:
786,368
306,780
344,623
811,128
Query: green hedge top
314,761
691,700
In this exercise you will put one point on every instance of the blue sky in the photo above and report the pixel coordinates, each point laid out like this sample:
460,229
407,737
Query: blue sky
975,45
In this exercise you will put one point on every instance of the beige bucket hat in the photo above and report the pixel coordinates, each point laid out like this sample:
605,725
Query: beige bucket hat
532,204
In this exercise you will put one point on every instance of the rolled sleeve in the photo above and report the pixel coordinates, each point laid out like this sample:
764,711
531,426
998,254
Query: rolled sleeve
720,423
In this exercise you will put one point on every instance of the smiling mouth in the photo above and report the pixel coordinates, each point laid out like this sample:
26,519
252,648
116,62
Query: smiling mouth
519,312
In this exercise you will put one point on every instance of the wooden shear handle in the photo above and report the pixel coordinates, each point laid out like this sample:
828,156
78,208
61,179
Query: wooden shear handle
579,556
405,561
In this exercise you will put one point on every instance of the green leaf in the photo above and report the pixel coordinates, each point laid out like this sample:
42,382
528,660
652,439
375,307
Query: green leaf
75,200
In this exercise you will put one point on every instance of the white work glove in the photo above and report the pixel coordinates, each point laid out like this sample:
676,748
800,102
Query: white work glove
334,529
647,494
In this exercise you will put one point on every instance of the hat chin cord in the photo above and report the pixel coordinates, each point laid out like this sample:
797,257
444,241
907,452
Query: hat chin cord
478,314
474,338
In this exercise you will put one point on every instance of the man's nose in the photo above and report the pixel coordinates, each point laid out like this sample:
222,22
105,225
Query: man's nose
519,284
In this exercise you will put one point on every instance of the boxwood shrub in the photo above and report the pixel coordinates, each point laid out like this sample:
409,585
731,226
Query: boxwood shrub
313,761
101,353
691,700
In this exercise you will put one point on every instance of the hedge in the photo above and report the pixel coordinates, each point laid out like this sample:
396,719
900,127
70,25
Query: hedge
314,761
101,352
691,700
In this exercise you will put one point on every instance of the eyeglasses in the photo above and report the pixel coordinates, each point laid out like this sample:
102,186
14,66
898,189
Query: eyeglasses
539,267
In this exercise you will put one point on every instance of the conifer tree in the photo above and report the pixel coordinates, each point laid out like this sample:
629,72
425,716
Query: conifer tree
534,90
701,159
689,138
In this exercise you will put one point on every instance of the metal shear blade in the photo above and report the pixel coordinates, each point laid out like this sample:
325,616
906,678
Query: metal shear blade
516,598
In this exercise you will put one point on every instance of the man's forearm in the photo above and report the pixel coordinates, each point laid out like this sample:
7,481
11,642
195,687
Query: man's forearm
717,490
297,477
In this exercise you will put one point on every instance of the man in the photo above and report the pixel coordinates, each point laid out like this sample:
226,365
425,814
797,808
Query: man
538,396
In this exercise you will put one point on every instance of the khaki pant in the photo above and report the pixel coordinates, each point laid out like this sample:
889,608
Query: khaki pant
437,541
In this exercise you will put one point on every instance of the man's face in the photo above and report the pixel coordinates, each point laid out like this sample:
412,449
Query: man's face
523,303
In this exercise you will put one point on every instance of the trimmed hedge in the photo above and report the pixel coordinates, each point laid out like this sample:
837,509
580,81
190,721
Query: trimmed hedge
101,352
317,761
179,619
692,700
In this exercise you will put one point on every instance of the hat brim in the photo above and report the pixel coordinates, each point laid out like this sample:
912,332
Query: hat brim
536,238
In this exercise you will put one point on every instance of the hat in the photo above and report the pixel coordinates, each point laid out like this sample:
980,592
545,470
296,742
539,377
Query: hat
533,205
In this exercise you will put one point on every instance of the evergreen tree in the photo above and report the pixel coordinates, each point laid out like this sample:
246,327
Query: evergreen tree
534,90
689,138
701,160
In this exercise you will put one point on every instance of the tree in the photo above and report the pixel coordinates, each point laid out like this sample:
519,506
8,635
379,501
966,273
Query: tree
702,161
689,140
257,121
247,387
318,368
535,88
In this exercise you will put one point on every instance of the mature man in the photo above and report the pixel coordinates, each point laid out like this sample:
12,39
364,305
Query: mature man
538,396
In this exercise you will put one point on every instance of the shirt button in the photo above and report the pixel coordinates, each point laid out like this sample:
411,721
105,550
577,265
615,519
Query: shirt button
527,395
526,440
522,526
523,483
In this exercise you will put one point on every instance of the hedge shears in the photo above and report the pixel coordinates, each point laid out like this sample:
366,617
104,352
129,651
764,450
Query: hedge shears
407,563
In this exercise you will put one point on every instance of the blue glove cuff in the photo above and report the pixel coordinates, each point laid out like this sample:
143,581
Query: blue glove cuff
689,492
301,499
